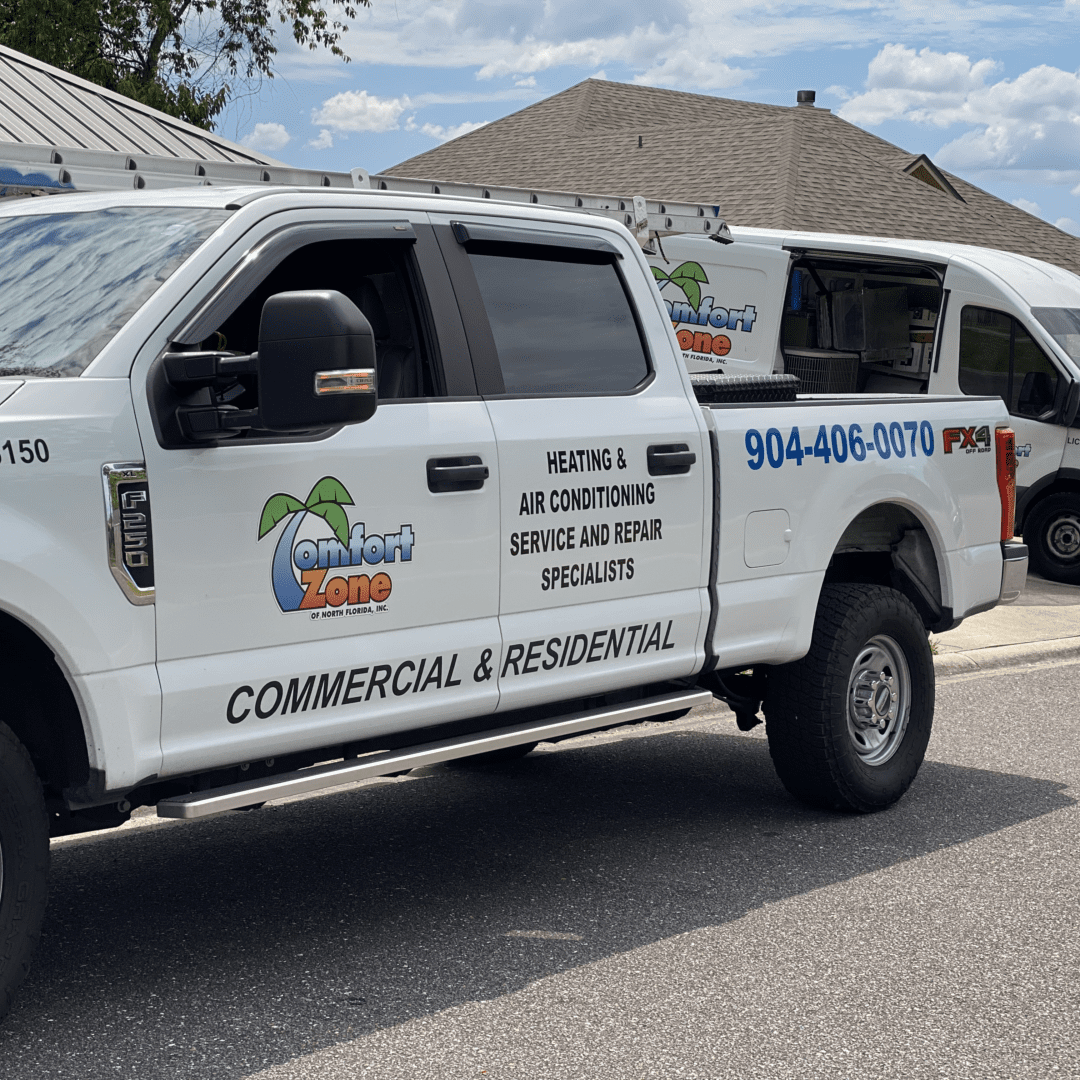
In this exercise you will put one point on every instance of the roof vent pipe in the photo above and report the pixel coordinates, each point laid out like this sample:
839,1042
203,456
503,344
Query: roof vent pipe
806,97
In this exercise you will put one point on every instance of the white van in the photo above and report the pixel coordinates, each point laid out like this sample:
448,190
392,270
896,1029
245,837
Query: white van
865,315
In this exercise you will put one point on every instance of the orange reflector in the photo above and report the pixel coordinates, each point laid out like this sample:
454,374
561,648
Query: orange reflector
1006,479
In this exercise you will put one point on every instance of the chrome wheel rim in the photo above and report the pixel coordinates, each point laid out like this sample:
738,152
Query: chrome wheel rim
1063,536
879,700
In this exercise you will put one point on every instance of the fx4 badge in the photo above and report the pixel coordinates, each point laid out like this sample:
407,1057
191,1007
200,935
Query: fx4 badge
972,440
317,540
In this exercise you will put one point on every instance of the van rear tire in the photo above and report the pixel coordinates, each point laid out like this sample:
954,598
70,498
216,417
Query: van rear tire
24,864
849,723
1052,534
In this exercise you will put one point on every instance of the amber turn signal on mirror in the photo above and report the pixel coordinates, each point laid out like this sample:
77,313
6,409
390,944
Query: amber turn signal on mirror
355,381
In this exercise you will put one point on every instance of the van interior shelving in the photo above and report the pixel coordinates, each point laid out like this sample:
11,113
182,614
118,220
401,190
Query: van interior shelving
860,326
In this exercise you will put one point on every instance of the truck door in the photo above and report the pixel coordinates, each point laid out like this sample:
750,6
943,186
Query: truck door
316,590
601,461
985,349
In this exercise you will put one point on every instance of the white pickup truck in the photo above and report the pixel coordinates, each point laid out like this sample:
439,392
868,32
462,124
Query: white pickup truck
304,486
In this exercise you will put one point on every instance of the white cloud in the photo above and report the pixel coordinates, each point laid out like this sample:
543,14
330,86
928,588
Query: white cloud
1030,122
1066,224
1028,205
531,80
324,141
445,134
691,70
357,110
267,137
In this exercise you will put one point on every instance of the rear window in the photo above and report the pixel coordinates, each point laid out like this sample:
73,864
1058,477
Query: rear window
561,325
69,282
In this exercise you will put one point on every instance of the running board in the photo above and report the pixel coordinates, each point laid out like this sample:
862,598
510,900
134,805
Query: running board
201,804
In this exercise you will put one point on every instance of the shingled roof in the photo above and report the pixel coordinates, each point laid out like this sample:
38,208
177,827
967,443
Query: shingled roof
767,166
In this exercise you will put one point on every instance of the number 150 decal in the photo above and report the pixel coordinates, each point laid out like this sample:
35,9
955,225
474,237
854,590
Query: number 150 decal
896,439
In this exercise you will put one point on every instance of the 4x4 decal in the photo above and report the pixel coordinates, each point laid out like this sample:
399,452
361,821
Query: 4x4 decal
301,564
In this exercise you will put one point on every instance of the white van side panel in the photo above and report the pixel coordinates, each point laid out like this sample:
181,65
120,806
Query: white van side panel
724,300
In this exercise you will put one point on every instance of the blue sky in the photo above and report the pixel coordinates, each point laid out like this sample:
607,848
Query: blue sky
989,91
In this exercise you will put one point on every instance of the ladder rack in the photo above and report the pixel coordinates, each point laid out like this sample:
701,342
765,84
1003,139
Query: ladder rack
45,170
643,217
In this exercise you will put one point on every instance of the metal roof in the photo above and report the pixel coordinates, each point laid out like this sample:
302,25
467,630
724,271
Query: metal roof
43,107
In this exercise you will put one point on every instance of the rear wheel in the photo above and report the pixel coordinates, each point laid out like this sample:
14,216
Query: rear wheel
1052,534
848,724
24,862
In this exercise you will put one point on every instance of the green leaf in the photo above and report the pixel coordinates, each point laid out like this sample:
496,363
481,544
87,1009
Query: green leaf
686,276
329,489
277,507
690,270
334,516
692,290
659,274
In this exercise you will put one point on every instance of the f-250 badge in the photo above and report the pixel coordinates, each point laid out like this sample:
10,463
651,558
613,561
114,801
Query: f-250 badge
316,541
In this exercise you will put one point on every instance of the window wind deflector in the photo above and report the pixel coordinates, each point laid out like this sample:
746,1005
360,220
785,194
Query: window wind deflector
511,234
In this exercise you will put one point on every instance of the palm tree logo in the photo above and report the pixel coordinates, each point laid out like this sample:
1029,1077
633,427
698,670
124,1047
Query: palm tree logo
688,276
327,500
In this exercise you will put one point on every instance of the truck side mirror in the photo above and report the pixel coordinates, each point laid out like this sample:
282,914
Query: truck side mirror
1072,404
316,362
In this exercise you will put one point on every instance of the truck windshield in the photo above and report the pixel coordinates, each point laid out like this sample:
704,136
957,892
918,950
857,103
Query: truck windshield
1063,325
69,281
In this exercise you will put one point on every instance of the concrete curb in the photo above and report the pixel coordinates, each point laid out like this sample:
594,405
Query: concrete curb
1007,656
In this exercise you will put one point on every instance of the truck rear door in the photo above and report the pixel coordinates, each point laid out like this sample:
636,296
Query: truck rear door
601,461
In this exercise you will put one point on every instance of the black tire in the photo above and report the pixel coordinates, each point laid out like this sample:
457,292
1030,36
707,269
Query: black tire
24,850
1052,534
495,757
826,757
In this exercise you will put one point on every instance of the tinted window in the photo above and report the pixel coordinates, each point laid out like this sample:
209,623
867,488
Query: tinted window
69,282
999,357
1064,327
560,326
375,276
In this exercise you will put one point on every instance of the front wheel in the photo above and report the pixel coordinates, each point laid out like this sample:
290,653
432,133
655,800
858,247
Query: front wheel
24,862
1052,534
848,724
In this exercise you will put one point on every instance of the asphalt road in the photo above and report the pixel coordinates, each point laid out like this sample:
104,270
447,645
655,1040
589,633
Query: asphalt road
644,905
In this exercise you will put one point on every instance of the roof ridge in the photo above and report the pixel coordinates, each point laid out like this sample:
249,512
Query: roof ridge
791,183
681,95
134,106
585,102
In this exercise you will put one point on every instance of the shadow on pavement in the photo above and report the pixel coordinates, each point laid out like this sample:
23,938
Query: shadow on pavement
218,948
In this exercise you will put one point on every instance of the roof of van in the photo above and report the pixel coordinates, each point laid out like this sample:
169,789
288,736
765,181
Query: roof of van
1039,283
766,166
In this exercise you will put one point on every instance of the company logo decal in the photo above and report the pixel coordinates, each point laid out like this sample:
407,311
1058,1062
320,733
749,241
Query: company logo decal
316,541
1025,450
971,440
701,311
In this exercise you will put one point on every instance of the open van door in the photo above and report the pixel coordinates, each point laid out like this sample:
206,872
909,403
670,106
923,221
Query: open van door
725,310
